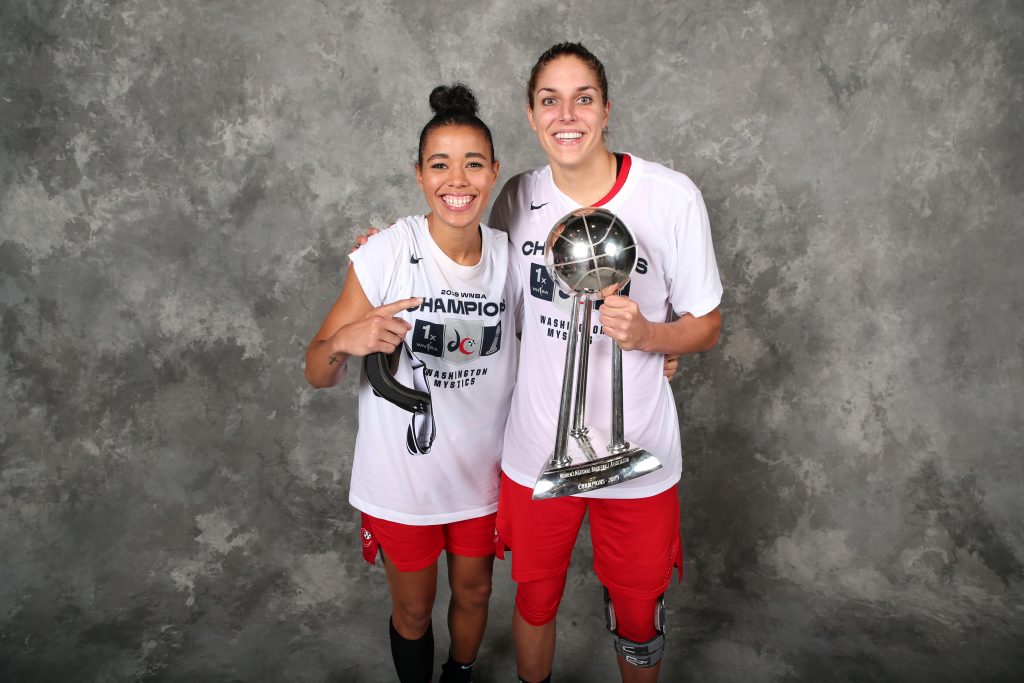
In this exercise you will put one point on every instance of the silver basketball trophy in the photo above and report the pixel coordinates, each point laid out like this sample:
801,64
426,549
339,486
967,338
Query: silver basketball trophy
590,253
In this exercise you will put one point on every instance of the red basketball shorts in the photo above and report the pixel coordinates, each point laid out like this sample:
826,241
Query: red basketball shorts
412,548
636,544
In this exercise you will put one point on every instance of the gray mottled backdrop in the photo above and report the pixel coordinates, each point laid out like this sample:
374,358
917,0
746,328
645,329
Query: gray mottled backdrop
179,185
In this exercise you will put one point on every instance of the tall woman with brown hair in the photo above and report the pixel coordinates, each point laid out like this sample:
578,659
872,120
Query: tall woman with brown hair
671,308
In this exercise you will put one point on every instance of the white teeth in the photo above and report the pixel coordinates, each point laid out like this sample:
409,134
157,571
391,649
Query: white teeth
456,202
568,136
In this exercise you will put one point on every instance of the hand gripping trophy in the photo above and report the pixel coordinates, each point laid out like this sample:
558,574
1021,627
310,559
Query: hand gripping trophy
590,253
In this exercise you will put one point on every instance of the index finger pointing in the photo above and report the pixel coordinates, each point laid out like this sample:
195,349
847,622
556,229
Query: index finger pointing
399,306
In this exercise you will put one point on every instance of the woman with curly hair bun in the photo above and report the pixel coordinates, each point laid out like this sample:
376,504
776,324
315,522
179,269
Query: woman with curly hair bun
434,288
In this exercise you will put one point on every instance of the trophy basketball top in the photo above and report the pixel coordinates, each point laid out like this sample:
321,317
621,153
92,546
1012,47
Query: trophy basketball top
590,250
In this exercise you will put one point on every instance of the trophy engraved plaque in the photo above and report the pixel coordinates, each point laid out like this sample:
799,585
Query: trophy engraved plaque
589,254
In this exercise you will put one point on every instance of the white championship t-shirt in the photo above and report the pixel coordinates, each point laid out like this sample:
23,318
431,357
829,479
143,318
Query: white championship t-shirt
462,345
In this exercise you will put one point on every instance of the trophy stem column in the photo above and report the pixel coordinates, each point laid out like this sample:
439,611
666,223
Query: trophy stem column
578,424
618,443
559,457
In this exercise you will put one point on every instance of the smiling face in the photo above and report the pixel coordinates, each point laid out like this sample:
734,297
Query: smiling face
569,113
457,175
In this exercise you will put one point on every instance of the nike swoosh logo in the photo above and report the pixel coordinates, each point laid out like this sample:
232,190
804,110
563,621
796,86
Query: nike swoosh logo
538,206
413,260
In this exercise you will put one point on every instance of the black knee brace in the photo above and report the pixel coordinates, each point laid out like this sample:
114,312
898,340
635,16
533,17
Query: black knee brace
414,659
640,655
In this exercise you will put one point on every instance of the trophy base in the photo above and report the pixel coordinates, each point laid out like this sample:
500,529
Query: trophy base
592,473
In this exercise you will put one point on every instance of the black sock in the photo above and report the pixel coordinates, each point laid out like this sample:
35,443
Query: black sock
523,680
414,659
456,672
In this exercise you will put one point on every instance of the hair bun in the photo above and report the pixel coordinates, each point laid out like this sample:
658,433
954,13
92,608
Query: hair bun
446,100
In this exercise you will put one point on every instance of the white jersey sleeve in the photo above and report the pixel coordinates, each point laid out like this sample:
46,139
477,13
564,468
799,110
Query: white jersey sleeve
377,263
695,287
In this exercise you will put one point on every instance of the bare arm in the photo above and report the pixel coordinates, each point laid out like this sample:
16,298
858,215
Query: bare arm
623,322
353,327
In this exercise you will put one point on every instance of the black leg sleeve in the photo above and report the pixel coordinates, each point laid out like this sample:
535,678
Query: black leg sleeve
414,659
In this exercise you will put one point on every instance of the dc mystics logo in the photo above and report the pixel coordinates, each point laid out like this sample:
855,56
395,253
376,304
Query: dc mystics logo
463,346
462,340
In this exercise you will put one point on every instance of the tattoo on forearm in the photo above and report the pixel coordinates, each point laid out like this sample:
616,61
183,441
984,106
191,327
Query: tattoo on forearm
333,360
